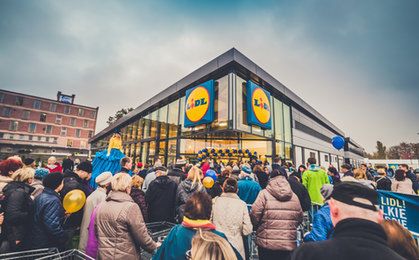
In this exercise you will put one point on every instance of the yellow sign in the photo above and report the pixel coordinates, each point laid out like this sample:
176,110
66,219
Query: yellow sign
261,106
197,104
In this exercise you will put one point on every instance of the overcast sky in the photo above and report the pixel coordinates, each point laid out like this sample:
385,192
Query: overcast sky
356,62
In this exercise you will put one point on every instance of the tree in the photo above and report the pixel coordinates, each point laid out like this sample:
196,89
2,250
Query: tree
381,151
120,113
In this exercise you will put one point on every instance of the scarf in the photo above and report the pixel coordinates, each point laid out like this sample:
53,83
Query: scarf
197,223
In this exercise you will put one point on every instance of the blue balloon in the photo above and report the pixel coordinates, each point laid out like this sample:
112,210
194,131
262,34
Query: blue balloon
212,174
338,142
212,150
199,152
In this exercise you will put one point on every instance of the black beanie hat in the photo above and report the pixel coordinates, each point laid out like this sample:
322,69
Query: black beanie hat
52,180
28,161
279,172
347,192
85,166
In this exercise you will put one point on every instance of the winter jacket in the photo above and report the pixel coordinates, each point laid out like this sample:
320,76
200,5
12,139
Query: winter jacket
160,198
404,186
183,193
179,241
313,180
18,212
248,190
413,178
276,215
353,238
263,179
383,183
68,164
4,180
37,184
230,216
148,179
47,229
92,243
301,193
138,196
322,225
176,175
54,168
73,182
215,190
94,199
121,230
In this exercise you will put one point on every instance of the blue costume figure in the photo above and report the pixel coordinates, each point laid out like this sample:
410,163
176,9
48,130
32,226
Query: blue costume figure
108,160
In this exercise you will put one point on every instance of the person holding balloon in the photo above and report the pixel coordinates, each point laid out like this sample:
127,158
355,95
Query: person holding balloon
47,229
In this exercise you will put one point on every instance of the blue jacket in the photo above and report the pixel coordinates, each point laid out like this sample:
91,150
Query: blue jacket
248,190
322,225
179,241
47,230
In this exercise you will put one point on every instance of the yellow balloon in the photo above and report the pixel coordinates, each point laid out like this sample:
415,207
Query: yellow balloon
74,201
208,182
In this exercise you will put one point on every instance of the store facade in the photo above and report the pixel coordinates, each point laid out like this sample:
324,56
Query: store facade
229,103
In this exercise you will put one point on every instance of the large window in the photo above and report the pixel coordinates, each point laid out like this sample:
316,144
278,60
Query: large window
13,125
153,124
163,120
43,117
172,118
140,128
241,109
72,121
221,104
147,125
52,107
26,114
32,128
7,111
287,123
37,104
278,120
48,129
19,101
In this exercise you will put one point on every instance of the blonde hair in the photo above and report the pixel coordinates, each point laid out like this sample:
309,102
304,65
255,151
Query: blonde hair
381,172
137,181
207,245
359,174
121,182
24,174
195,175
52,159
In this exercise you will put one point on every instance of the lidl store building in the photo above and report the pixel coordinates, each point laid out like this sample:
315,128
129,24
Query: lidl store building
229,103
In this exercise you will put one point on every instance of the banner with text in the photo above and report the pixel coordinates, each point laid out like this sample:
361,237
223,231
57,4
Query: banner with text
401,207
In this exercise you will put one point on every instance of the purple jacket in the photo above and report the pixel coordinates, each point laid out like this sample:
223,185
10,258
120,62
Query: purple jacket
92,243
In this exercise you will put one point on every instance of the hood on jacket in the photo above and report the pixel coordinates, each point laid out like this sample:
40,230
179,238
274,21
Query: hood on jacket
188,187
119,196
279,188
176,172
163,181
14,185
71,174
313,168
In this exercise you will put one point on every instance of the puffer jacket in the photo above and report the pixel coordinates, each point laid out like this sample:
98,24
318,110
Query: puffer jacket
160,198
18,211
47,229
404,186
37,184
120,228
230,216
276,215
322,225
139,197
184,191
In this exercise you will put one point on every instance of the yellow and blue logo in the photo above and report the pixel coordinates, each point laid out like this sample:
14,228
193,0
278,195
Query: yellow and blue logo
199,105
258,106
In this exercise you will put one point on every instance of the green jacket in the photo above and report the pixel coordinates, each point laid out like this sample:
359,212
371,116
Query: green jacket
313,180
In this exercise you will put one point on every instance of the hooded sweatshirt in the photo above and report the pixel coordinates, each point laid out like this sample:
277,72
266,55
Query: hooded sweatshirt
313,180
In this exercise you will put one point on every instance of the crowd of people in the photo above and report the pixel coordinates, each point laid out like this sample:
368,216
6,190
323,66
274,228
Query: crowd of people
215,222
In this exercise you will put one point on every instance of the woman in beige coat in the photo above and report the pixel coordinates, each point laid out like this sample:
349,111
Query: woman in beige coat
230,215
401,184
119,224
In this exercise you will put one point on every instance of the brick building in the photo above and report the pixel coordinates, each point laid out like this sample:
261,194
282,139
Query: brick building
39,127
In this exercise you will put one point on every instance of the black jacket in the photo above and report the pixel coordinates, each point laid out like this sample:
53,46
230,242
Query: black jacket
263,179
68,164
176,175
352,239
301,192
383,183
160,198
47,229
18,212
73,182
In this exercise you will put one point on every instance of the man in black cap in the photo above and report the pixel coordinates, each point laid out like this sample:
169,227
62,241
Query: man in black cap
358,234
346,169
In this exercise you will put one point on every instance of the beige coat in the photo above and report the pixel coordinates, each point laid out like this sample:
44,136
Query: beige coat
402,186
120,228
94,199
230,216
276,214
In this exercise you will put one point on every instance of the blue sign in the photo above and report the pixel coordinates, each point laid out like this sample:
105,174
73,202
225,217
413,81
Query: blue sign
258,106
401,207
199,104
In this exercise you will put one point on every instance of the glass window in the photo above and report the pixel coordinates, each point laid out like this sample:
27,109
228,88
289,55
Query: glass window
82,144
90,134
172,118
288,151
182,115
86,123
52,107
72,121
162,148
163,120
67,110
129,132
19,101
69,143
7,111
137,152
221,104
13,125
144,152
134,130
279,120
81,112
140,129
1,97
43,117
48,129
37,104
287,123
32,128
26,114
93,114
153,128
151,150
190,146
63,131
241,104
78,132
131,150
280,149
147,124
58,119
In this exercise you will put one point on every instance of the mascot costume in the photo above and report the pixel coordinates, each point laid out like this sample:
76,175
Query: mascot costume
108,160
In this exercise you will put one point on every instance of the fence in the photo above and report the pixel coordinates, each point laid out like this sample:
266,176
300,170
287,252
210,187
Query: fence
46,254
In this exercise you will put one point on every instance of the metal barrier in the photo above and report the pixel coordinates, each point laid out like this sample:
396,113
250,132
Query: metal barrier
31,254
158,232
72,254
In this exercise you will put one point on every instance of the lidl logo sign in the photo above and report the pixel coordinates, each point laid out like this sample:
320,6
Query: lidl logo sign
199,105
258,106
